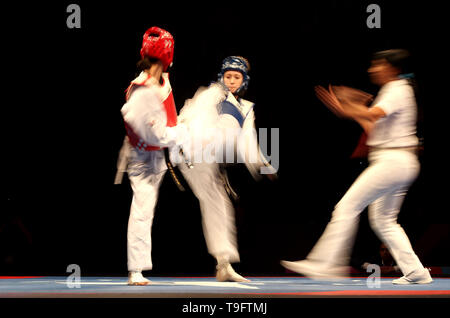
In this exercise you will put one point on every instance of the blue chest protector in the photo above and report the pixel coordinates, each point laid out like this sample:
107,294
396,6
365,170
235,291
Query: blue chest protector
228,108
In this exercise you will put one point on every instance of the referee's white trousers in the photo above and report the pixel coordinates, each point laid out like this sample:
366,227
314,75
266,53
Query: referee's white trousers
382,187
216,208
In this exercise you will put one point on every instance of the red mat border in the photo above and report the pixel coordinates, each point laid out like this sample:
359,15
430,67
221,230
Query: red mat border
363,293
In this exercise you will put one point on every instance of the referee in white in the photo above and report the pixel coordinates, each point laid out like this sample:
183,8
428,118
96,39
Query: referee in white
390,124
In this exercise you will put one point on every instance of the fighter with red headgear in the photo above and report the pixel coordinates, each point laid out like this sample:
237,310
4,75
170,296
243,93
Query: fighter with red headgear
158,43
151,124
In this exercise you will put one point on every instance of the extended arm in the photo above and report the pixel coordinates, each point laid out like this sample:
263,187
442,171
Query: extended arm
350,103
145,115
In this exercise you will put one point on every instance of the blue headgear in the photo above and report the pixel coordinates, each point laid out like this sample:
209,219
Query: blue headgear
235,63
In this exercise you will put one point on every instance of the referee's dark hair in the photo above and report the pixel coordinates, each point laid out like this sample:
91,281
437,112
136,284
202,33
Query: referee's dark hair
399,58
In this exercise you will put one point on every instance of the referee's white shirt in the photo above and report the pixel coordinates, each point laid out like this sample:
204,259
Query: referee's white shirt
398,127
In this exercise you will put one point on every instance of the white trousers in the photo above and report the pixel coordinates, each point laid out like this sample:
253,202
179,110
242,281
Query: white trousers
216,208
382,187
139,240
219,227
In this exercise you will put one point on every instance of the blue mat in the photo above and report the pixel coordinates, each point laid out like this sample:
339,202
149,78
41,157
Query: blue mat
209,287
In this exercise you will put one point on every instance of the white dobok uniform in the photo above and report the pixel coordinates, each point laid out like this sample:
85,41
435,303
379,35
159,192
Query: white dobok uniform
148,113
208,124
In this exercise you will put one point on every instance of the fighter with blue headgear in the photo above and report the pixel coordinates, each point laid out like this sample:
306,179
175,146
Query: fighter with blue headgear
214,116
236,63
234,77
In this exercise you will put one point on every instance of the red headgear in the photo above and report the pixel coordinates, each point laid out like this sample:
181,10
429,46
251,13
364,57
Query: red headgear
158,43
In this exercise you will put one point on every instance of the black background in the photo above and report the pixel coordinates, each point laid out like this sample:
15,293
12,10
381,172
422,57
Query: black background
61,111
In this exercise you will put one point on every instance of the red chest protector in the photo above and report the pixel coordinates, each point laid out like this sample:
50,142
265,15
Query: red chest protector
168,104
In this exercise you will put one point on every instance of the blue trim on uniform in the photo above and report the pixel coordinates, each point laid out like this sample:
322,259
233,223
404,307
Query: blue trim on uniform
407,76
228,108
